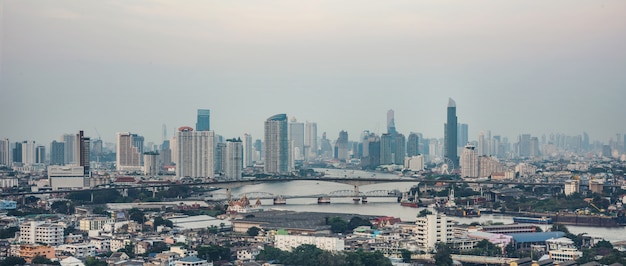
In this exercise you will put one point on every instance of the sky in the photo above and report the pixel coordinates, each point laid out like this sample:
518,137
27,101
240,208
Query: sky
512,67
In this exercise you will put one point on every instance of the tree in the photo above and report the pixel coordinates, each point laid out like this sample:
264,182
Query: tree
158,247
304,255
424,212
136,215
91,261
337,225
442,257
213,253
270,253
358,221
406,255
559,227
253,231
160,221
64,207
44,260
9,232
12,261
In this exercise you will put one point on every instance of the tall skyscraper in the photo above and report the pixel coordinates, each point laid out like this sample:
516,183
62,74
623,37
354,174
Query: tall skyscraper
247,150
128,156
195,153
342,147
5,152
391,122
82,151
40,154
310,142
276,145
412,145
451,134
469,161
524,145
482,145
234,159
386,151
534,147
399,151
70,142
296,136
463,134
17,153
220,157
28,152
204,120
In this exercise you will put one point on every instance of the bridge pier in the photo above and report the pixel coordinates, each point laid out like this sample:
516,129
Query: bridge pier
153,192
92,197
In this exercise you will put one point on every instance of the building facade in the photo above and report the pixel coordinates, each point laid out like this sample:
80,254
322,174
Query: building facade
276,145
469,162
128,156
451,134
41,232
289,242
233,159
195,152
203,122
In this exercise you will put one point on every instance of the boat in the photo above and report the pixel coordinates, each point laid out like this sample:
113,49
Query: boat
461,211
364,199
356,199
323,200
405,201
279,200
532,220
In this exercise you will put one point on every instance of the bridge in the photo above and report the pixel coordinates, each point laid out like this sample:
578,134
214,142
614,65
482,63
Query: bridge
334,194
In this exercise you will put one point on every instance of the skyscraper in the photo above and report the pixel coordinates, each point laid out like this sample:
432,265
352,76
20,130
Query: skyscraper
399,151
128,156
469,161
391,122
463,134
234,159
451,134
17,152
386,151
40,154
296,136
342,147
247,150
194,153
276,145
5,152
82,151
412,145
70,142
28,152
310,142
524,145
204,121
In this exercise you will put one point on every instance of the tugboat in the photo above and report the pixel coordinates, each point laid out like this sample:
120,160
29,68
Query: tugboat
323,200
279,200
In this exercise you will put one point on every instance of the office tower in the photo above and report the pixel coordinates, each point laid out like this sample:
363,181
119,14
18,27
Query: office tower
128,156
247,150
5,152
296,136
17,152
220,157
372,159
451,134
399,149
82,150
326,150
364,146
391,122
463,136
276,145
524,145
386,152
204,120
57,153
195,153
482,146
534,147
40,154
342,147
151,163
233,159
258,149
412,145
96,149
166,153
469,161
28,152
310,142
70,142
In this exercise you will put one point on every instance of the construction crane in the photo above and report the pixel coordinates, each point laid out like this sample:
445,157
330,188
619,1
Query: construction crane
596,207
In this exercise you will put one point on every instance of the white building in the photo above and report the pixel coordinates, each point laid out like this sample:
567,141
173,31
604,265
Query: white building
194,155
94,223
79,250
247,150
67,177
41,232
151,163
414,163
562,249
102,244
28,152
276,145
193,261
69,156
469,161
432,228
571,187
488,165
234,159
310,141
289,242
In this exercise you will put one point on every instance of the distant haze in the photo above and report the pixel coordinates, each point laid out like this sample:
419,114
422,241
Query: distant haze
511,66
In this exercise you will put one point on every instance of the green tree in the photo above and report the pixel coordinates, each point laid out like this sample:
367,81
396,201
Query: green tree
406,255
270,253
358,221
213,252
63,207
338,225
9,232
160,221
158,247
136,215
424,212
129,249
253,231
44,260
12,261
560,228
304,255
92,261
442,257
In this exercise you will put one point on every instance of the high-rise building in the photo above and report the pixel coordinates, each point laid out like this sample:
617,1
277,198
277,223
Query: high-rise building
469,161
220,157
386,152
310,141
40,154
204,120
28,152
326,150
372,159
17,152
128,157
96,149
247,150
82,151
489,165
296,136
70,142
534,147
233,159
399,149
276,145
195,153
342,147
524,145
433,229
571,187
412,145
151,163
5,152
463,134
391,122
451,134
482,145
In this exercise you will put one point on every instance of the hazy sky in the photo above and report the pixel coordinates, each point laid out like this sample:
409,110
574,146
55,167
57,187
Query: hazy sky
512,66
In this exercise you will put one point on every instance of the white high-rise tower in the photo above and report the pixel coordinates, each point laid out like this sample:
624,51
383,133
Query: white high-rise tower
195,153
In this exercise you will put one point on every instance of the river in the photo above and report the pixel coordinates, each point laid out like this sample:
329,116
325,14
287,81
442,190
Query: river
378,206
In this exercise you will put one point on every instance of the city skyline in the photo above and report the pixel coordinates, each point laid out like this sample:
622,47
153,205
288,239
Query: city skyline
513,68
